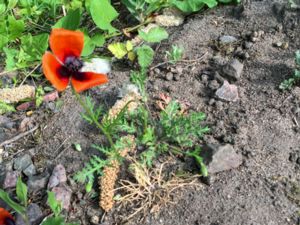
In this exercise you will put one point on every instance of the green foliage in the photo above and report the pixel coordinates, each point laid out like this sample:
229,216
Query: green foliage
154,35
14,205
92,113
145,56
103,13
6,108
21,191
289,83
175,54
39,96
71,21
199,160
54,205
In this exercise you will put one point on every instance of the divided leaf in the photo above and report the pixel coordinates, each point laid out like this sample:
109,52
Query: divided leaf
145,56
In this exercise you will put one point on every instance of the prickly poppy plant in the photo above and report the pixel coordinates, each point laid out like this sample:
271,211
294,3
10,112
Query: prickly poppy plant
64,63
6,218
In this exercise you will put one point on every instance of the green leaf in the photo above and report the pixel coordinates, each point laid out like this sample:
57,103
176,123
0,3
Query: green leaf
15,206
190,6
156,34
98,40
71,21
89,46
145,56
10,61
297,58
21,191
15,28
118,49
2,8
6,108
103,13
54,204
54,221
12,4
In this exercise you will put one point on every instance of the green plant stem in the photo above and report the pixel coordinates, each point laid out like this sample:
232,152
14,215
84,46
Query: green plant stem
88,110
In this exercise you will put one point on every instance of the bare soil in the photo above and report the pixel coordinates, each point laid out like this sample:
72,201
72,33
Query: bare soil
263,125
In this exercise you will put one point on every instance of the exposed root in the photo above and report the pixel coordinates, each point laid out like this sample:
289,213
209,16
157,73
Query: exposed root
151,191
110,174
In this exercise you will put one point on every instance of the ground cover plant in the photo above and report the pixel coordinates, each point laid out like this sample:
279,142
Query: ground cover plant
140,151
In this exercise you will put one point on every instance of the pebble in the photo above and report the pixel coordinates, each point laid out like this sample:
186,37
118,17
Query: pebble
58,176
22,162
219,158
169,76
227,39
248,45
204,78
30,170
10,180
233,69
170,17
37,182
63,194
228,92
213,85
34,213
177,77
95,220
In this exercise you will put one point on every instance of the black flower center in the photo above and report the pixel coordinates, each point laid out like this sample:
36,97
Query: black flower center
9,221
73,64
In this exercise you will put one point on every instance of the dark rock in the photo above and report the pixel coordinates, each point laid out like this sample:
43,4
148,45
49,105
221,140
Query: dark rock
63,194
177,77
34,214
58,176
22,162
10,180
227,39
233,69
38,182
30,170
219,158
228,92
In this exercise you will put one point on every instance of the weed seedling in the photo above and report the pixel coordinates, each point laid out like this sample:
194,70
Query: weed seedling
289,83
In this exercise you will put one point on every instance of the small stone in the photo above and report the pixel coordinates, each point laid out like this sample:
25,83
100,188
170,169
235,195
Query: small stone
279,27
218,60
38,182
157,71
63,194
34,214
169,76
248,45
170,17
211,101
260,33
177,77
213,85
22,162
219,158
254,39
30,170
179,70
10,180
14,95
246,55
228,92
58,176
204,79
285,45
278,44
95,220
233,69
227,39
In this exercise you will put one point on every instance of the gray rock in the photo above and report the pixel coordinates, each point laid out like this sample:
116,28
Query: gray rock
22,162
34,214
95,220
177,77
248,45
58,176
63,194
10,180
38,182
228,92
220,158
169,76
227,39
233,69
213,85
30,170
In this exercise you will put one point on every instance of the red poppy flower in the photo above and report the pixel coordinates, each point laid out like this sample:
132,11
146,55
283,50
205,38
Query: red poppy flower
65,63
6,218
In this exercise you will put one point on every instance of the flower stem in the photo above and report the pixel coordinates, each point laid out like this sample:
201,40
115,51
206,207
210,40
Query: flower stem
95,121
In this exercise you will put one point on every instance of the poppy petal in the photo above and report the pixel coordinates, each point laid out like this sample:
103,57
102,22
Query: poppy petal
4,216
64,43
86,80
53,71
